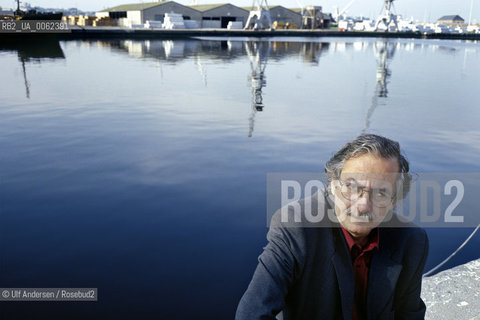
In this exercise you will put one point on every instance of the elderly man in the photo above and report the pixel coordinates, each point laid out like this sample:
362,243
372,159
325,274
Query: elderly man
363,264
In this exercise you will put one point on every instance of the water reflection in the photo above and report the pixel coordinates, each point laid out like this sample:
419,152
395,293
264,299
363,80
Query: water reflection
205,52
227,51
27,84
176,50
384,50
202,69
33,51
312,50
223,50
258,53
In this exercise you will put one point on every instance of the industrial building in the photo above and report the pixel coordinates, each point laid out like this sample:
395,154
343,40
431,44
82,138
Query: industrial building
314,18
6,14
451,20
140,13
206,16
282,14
219,15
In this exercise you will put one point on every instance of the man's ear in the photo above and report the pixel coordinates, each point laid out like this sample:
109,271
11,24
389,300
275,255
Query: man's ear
332,185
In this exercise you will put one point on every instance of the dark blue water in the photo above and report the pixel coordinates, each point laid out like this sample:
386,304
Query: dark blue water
139,167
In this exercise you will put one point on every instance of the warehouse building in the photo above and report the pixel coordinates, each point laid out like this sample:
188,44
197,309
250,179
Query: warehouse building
6,14
219,15
314,18
207,16
451,20
139,13
284,15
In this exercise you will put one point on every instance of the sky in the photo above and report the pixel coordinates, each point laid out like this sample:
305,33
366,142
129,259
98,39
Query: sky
422,10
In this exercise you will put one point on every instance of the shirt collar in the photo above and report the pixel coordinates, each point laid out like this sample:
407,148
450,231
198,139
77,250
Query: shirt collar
373,240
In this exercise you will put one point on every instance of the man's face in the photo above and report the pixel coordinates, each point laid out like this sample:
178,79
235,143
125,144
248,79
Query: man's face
364,193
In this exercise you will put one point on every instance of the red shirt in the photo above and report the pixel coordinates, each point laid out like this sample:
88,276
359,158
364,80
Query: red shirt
361,258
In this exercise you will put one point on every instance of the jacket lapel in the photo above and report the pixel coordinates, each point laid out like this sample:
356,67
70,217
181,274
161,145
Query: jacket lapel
344,271
382,278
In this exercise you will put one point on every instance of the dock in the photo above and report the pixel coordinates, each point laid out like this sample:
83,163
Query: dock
453,293
115,32
87,32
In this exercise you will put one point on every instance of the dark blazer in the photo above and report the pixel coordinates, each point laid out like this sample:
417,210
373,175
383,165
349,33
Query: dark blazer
306,272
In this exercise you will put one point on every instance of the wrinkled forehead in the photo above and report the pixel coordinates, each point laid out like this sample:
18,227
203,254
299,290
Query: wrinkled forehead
371,179
371,169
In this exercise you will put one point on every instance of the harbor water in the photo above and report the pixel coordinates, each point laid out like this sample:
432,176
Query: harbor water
139,167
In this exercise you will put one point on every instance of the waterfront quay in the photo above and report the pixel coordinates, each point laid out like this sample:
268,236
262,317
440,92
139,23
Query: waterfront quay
87,32
453,293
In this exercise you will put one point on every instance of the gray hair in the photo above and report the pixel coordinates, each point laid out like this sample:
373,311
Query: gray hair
372,144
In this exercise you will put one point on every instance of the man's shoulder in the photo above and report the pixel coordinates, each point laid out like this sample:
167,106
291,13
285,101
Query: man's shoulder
303,224
402,226
310,212
404,240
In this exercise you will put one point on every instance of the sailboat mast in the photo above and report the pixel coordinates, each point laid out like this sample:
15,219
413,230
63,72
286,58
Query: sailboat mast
471,8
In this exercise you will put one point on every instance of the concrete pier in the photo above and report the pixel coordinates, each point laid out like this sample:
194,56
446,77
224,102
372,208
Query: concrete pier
77,32
454,293
94,32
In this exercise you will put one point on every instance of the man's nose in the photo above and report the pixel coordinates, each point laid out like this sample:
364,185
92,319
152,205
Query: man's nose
364,202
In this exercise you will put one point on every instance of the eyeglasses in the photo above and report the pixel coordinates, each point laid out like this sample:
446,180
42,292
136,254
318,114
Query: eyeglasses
351,191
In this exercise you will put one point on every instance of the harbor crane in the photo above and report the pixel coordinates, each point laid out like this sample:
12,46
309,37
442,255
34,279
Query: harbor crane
387,17
259,17
302,7
337,13
18,12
